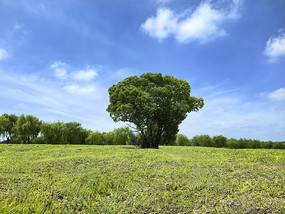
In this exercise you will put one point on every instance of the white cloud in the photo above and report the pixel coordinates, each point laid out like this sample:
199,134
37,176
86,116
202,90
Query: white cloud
60,70
3,54
76,89
85,75
227,113
275,47
161,26
202,24
47,100
277,95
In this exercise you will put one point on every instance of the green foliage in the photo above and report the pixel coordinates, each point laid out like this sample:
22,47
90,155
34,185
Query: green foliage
95,138
123,136
52,132
27,128
242,143
182,140
278,145
155,104
7,126
73,133
194,141
108,138
64,133
219,141
203,140
124,179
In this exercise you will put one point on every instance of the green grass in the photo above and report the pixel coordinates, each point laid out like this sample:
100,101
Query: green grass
121,179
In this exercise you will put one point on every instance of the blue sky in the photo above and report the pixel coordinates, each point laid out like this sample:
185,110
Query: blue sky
58,59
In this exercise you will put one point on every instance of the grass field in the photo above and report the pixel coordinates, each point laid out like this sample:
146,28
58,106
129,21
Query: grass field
122,179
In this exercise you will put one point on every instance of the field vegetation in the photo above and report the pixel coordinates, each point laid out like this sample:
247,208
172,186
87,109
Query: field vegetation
30,130
126,179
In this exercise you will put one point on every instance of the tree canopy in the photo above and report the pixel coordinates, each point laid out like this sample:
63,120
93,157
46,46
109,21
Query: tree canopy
154,104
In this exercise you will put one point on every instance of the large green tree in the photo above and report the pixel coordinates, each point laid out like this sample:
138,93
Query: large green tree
154,105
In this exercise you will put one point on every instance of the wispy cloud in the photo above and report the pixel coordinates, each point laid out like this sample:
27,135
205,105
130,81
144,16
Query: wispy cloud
277,95
60,70
81,90
203,24
275,46
85,75
50,101
229,114
3,54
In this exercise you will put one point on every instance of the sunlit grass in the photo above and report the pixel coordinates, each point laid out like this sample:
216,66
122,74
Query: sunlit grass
114,179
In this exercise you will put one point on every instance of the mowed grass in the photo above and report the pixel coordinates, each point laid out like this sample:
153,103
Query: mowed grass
125,179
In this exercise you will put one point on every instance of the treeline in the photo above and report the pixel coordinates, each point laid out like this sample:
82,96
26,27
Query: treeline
221,141
30,130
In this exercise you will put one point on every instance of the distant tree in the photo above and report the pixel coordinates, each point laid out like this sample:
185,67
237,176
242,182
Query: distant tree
64,133
95,138
108,138
52,132
154,104
194,141
27,127
123,136
182,140
73,133
267,145
278,145
7,126
219,141
205,140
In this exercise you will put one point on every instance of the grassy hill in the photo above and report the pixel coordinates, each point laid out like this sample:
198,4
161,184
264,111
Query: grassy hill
114,179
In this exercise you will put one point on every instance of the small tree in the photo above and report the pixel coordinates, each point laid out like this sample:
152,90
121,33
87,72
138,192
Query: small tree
27,127
154,104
